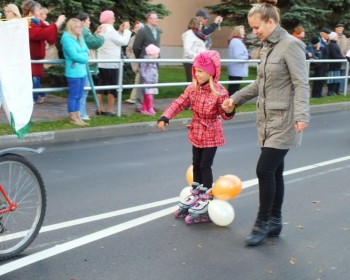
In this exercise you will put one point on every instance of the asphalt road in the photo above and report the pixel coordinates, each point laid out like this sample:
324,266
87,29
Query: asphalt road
110,205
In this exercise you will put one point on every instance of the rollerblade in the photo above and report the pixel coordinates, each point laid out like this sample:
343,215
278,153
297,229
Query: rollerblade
189,201
198,213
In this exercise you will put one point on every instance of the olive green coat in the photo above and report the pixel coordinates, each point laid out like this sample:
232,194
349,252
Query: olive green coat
282,89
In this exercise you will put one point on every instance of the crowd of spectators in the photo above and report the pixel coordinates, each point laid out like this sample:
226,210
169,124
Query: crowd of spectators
107,42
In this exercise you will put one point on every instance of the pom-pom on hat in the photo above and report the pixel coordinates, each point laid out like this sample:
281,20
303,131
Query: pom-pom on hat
106,16
152,49
204,62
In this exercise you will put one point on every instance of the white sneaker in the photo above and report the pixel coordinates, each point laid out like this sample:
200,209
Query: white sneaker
131,101
86,118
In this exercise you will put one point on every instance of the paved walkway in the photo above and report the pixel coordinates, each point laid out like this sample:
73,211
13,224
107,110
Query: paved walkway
55,108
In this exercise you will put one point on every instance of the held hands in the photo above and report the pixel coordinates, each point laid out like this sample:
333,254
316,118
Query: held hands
228,105
300,126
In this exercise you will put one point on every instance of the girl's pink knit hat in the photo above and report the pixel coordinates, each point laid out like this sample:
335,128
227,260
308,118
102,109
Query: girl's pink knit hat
106,16
204,62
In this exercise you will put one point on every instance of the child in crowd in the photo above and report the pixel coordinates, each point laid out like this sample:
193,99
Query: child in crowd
149,75
205,97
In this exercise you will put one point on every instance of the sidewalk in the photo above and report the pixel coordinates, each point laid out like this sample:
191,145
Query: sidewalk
55,108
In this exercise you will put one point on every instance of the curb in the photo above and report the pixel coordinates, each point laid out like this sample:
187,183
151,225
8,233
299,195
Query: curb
81,134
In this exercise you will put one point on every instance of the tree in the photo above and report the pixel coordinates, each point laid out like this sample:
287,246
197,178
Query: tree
311,14
125,10
130,10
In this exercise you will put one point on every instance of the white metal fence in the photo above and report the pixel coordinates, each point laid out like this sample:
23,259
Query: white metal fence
120,87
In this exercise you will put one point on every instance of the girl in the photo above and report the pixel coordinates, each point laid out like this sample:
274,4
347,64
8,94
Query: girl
149,75
205,97
76,56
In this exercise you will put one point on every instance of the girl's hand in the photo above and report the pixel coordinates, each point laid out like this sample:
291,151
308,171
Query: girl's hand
228,105
161,125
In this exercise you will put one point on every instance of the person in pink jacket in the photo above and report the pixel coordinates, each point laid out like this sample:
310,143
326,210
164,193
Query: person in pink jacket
204,96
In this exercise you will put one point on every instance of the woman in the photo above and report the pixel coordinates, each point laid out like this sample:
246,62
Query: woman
12,12
237,50
110,49
39,34
193,41
76,57
282,111
93,42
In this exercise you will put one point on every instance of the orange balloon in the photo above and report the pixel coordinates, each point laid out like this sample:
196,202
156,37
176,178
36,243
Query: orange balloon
189,175
227,187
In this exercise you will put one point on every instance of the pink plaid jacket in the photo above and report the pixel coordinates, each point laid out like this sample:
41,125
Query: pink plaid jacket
206,127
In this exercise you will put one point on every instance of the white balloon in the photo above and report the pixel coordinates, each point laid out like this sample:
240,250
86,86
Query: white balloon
221,212
185,192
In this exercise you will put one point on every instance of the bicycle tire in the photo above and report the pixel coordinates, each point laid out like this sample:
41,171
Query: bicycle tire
24,185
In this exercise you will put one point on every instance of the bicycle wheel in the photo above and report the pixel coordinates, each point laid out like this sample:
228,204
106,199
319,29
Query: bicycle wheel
24,186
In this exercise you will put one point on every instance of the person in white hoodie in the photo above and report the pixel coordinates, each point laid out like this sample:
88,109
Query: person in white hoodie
111,49
193,43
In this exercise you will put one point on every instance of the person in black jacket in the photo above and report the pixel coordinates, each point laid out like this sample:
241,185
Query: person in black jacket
334,52
208,29
314,52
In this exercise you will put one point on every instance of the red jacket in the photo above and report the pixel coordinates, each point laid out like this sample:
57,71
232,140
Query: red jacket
39,33
206,127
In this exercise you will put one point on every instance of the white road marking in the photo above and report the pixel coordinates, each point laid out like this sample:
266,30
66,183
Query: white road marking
58,249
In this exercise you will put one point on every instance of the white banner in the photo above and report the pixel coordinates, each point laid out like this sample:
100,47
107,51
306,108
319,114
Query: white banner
16,86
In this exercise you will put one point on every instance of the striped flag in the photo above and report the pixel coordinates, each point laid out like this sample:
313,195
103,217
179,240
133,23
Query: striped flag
16,86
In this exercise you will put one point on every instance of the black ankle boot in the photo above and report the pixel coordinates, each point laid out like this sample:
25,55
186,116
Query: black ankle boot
258,234
275,227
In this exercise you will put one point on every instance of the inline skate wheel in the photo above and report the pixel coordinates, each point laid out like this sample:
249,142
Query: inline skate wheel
178,213
189,220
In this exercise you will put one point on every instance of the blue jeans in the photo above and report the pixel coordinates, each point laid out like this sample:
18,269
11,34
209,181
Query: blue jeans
37,84
83,98
75,92
342,81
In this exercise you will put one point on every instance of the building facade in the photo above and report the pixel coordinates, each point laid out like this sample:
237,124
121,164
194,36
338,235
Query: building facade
176,23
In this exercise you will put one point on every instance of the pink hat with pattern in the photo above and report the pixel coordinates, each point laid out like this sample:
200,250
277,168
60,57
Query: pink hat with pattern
204,62
106,16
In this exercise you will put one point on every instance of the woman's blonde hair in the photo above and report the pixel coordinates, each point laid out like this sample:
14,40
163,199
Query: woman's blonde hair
14,9
236,31
267,10
70,27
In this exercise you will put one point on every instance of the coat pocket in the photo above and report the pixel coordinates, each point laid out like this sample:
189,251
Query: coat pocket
277,115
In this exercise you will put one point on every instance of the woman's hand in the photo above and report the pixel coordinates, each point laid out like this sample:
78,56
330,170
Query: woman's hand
300,126
228,105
